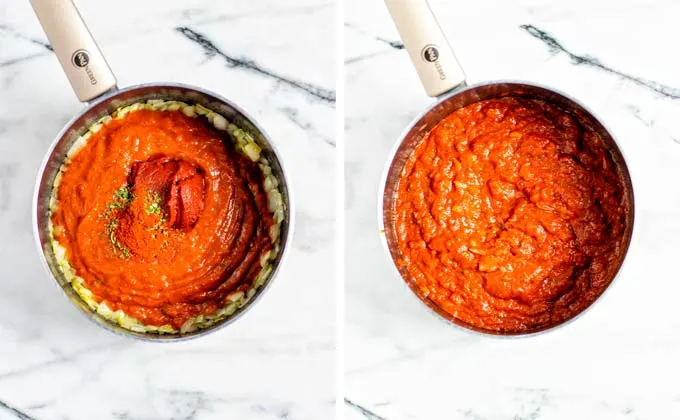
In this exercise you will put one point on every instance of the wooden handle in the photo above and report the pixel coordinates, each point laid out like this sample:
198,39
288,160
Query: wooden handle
427,45
78,53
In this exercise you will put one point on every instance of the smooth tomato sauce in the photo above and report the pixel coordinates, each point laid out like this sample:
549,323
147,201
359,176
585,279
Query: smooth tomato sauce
162,218
510,215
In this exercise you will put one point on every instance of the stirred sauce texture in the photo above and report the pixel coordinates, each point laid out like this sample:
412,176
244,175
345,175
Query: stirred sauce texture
162,218
511,215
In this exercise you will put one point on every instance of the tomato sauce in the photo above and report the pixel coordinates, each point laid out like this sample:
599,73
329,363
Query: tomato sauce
510,215
162,218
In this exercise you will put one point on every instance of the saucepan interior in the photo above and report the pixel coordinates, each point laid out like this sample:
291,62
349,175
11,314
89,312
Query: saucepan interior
428,120
105,106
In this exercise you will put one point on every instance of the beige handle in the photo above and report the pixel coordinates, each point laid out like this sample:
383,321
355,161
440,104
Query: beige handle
78,53
427,46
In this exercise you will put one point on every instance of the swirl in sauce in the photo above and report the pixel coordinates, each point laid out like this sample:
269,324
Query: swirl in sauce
162,218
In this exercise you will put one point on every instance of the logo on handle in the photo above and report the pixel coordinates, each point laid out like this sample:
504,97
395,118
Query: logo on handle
81,59
430,54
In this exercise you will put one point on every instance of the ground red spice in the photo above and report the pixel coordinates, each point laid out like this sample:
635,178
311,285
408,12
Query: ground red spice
511,215
162,218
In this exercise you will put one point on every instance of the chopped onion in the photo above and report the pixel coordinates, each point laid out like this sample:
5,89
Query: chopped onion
245,144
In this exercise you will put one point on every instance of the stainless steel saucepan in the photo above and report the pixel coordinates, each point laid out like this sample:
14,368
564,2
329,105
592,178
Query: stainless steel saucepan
95,85
443,78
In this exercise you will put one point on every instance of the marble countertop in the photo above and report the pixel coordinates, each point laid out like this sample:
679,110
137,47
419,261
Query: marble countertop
617,362
277,362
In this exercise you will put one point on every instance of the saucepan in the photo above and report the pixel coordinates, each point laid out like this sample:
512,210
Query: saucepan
444,79
95,85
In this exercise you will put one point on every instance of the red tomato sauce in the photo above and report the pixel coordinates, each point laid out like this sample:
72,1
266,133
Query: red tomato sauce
162,218
511,214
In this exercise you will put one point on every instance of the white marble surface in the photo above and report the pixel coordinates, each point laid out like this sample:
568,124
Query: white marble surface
275,363
620,361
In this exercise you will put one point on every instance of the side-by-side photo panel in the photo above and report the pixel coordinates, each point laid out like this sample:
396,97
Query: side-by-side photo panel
508,241
167,210
344,209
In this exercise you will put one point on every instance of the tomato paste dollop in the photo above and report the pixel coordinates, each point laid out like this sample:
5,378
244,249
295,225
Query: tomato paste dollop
511,215
162,218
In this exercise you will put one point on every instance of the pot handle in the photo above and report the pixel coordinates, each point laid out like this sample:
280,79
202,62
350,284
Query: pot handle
427,46
78,53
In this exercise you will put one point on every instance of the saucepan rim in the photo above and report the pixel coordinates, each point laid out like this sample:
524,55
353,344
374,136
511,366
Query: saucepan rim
286,242
431,306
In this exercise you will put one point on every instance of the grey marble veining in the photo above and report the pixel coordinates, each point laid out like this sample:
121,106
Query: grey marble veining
277,61
617,362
